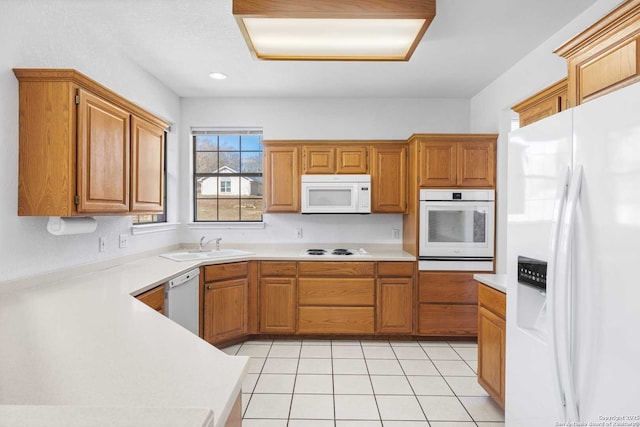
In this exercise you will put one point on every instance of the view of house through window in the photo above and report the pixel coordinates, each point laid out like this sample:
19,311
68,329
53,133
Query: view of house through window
227,179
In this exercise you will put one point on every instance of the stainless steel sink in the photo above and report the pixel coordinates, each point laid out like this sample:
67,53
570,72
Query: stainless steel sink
204,255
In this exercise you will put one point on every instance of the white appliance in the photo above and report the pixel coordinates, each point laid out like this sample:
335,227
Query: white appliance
336,194
456,229
181,300
574,201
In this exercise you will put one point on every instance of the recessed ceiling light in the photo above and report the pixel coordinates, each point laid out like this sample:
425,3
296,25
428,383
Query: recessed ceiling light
218,76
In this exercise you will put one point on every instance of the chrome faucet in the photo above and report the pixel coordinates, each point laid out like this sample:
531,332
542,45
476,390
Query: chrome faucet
203,243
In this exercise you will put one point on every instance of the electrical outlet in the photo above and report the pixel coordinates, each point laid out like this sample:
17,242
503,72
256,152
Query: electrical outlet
124,240
395,233
298,233
101,244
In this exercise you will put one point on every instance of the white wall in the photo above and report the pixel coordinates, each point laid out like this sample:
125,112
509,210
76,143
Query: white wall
43,34
319,118
491,107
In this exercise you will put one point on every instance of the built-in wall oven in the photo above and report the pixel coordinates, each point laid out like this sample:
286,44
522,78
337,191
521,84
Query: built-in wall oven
457,230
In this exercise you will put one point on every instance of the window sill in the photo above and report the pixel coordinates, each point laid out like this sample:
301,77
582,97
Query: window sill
153,228
225,225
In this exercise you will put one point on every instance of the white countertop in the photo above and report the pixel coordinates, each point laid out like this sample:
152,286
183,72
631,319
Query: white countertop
496,281
77,339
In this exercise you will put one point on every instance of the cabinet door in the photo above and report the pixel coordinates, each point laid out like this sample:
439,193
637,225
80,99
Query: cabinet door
352,159
395,305
389,179
318,159
491,354
278,305
154,298
437,164
147,166
103,156
281,179
476,164
225,313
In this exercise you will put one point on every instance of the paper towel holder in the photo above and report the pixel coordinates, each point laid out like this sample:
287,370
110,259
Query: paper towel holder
61,226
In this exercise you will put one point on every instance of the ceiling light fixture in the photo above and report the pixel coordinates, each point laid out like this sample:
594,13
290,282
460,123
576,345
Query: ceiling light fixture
338,30
218,76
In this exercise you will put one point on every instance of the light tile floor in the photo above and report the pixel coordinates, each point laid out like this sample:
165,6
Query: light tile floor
316,383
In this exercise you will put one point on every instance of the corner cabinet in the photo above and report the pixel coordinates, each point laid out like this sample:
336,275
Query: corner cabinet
457,160
281,178
76,142
389,179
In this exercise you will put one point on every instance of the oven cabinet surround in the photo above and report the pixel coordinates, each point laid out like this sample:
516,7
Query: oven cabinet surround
278,297
492,341
225,302
456,160
84,150
286,160
447,304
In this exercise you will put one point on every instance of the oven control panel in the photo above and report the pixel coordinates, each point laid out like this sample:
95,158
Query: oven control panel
532,272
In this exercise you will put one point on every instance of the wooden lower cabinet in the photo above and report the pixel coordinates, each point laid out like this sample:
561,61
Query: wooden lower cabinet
394,298
447,304
492,342
225,302
335,320
154,298
278,305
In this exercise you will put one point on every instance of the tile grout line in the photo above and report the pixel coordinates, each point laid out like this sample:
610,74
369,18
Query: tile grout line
295,380
364,356
410,386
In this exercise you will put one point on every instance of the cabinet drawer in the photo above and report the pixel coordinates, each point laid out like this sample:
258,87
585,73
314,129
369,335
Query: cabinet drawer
335,268
448,320
226,271
493,300
328,291
395,269
459,288
154,298
278,268
335,320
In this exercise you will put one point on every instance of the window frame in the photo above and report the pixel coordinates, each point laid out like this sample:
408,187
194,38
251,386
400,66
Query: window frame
218,132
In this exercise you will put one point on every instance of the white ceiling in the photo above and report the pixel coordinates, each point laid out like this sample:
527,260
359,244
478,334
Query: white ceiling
468,45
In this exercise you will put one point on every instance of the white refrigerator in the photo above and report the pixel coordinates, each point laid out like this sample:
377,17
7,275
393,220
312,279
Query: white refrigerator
573,352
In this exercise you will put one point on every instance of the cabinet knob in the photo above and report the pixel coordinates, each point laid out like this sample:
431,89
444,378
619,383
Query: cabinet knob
208,287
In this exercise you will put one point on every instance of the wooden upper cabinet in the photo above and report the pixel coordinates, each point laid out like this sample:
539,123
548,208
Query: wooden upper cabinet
605,56
75,147
352,159
389,178
545,103
320,158
147,166
281,178
103,156
457,160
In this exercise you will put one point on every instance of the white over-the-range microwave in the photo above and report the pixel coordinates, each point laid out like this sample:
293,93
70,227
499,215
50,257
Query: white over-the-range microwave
339,194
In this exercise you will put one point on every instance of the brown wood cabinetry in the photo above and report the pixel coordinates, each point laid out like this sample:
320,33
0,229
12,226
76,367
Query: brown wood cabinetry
605,56
492,342
225,302
336,297
545,103
281,178
457,160
278,293
341,158
447,304
154,298
389,179
75,148
394,308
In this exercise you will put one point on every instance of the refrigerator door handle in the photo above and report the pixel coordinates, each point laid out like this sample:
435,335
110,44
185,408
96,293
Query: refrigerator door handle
563,304
556,231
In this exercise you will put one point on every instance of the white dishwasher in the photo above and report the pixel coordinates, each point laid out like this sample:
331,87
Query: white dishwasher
181,300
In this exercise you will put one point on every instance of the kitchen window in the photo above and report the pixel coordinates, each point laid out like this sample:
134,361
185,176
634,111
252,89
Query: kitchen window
227,179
